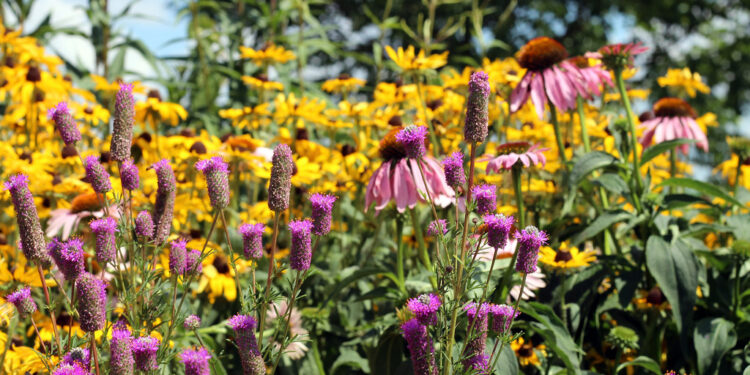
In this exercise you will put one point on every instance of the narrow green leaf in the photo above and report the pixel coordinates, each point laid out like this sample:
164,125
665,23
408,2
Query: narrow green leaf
588,163
701,187
641,361
601,223
656,150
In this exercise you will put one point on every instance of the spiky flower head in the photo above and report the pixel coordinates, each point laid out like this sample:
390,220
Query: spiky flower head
65,124
66,369
476,358
322,209
92,302
106,247
502,316
144,226
619,56
23,302
192,322
498,229
216,172
486,198
529,242
412,138
252,240
196,361
280,184
437,227
68,257
453,166
193,265
96,175
122,124
78,356
421,348
165,197
177,257
144,352
250,356
129,176
425,308
301,249
121,360
477,113
27,218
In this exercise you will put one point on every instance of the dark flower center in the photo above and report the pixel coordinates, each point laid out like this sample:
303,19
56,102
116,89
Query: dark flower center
198,148
395,121
673,107
655,296
221,265
526,350
154,94
262,77
85,202
390,148
34,74
435,104
344,76
347,149
88,111
579,61
563,256
541,53
513,148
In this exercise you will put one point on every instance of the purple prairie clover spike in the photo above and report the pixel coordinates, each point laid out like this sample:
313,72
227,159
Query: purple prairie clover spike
421,348
244,330
301,249
502,316
216,172
78,356
439,226
165,196
477,112
68,256
97,175
177,257
529,242
121,360
498,230
65,124
144,352
486,198
196,361
129,177
92,302
425,308
192,322
23,302
65,369
412,139
453,166
106,247
27,218
193,265
144,226
122,124
476,358
252,240
280,184
322,209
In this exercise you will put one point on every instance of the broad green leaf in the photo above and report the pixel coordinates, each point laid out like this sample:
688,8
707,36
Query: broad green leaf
612,182
507,364
641,361
388,355
601,223
656,150
713,338
358,274
350,358
701,187
556,336
588,163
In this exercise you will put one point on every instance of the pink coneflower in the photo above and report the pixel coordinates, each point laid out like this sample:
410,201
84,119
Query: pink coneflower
548,76
534,282
618,56
673,119
296,349
591,78
516,154
64,221
398,179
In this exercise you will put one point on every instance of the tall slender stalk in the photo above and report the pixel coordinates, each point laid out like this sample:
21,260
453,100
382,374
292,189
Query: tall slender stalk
94,354
49,308
232,263
584,130
558,135
620,82
512,318
271,261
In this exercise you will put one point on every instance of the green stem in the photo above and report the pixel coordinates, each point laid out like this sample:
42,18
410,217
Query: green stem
400,254
558,134
737,266
738,174
269,280
563,307
515,308
631,126
673,163
232,263
584,129
517,181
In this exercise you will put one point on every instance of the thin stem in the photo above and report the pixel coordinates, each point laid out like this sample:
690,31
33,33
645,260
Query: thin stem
400,254
420,239
232,263
11,331
673,163
271,261
49,308
517,181
631,125
558,135
94,355
36,329
584,129
563,305
297,284
512,317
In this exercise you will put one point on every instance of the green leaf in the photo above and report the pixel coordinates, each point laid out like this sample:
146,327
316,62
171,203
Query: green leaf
588,163
675,269
556,336
701,187
388,355
350,358
713,338
612,182
601,223
507,364
641,361
358,274
656,150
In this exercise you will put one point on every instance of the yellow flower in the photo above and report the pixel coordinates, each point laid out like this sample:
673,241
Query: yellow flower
290,108
527,352
252,117
103,85
262,82
632,93
92,114
153,111
344,83
269,54
566,257
218,277
683,80
408,61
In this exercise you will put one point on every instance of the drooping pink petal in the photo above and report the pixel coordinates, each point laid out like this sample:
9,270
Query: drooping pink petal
538,97
520,94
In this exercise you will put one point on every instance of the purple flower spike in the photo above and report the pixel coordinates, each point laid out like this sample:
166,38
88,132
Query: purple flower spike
322,209
216,172
22,300
437,226
301,250
281,178
252,240
177,257
144,351
129,177
144,226
486,198
502,316
106,247
65,369
453,166
121,360
68,256
122,124
477,113
165,196
92,302
250,357
529,242
196,361
96,175
476,358
192,322
498,230
193,265
29,228
425,308
421,348
412,139
65,124
80,357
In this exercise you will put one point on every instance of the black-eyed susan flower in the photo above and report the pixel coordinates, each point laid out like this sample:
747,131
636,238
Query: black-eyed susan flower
528,354
269,54
344,83
155,111
566,257
409,61
261,82
684,81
